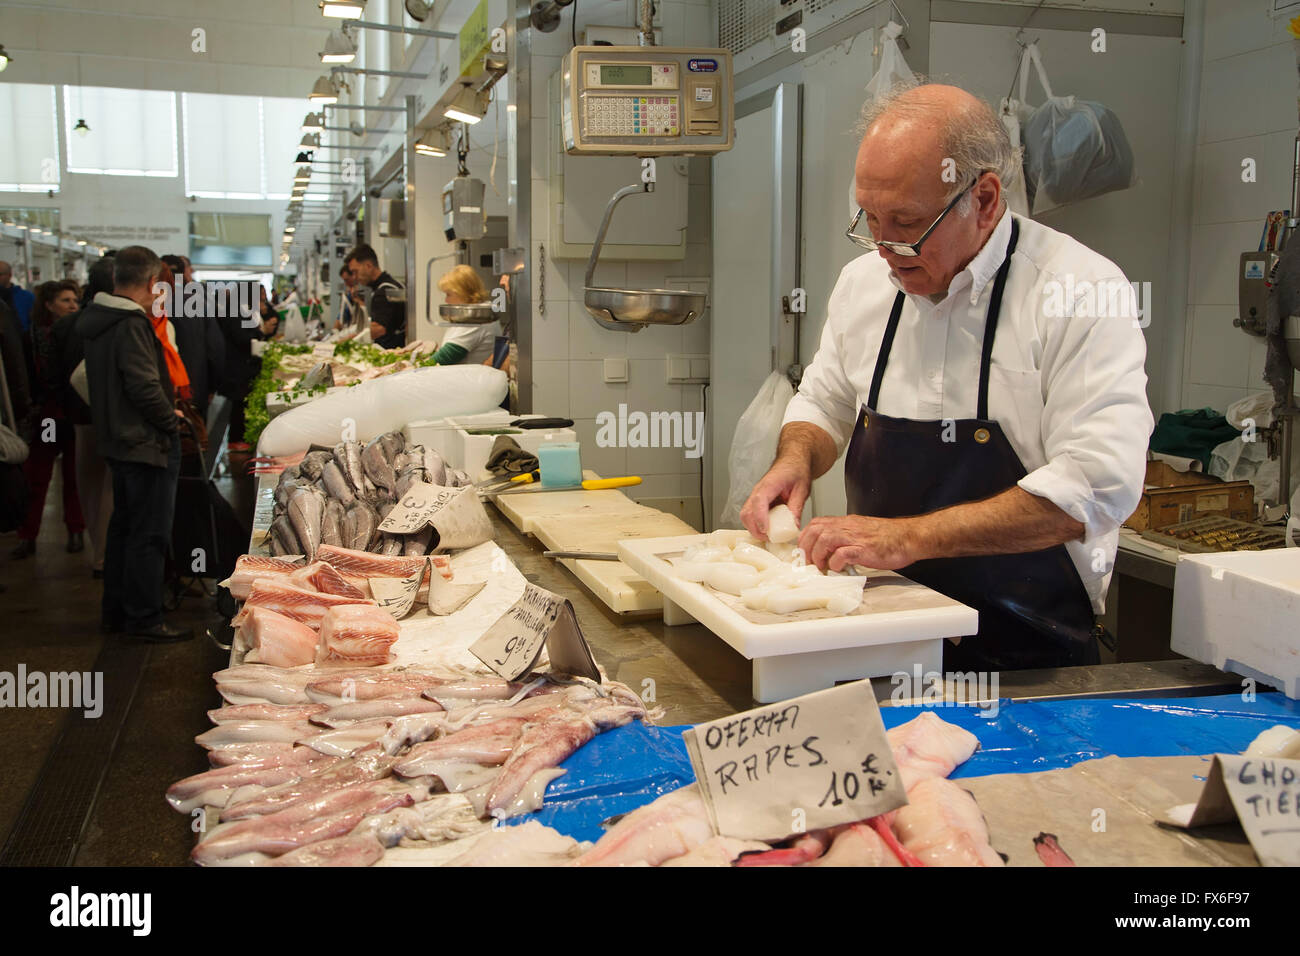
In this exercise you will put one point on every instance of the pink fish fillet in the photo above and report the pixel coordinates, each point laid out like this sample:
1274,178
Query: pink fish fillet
670,827
367,766
322,577
212,786
276,639
943,826
857,845
251,567
267,753
238,712
548,743
335,814
357,634
927,746
371,685
361,850
297,603
367,565
487,744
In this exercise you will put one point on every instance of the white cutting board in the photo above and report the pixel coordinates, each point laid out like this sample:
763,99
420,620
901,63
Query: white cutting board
619,587
900,624
523,508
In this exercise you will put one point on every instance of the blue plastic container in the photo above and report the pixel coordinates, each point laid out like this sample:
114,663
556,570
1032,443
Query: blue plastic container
560,464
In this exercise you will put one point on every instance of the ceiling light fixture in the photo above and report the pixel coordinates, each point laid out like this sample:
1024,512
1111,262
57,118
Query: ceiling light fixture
310,141
324,91
343,9
339,47
303,158
313,122
435,142
467,107
82,128
4,58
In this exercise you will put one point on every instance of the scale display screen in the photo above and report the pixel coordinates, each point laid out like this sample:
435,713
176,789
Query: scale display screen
618,74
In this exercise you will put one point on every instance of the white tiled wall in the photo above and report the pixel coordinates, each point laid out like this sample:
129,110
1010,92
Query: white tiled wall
568,344
1248,110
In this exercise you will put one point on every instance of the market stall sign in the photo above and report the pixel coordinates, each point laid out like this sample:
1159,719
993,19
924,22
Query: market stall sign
1263,793
399,596
540,618
473,36
803,764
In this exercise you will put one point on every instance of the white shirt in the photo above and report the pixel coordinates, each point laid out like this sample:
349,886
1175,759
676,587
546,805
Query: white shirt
1067,387
477,340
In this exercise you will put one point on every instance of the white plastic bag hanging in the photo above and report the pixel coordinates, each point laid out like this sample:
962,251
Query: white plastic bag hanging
1074,149
893,69
1017,200
753,446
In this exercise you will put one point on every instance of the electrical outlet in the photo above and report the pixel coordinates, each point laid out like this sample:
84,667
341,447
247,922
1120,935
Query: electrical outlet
615,370
688,369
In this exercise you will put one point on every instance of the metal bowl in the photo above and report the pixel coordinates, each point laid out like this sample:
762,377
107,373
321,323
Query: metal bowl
630,310
475,313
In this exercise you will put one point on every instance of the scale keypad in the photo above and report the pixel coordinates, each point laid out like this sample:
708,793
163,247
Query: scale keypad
633,116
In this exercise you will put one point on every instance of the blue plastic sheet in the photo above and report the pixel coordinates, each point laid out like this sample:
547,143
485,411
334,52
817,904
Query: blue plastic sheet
629,767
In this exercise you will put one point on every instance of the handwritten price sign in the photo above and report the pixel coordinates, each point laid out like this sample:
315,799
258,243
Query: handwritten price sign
822,759
512,646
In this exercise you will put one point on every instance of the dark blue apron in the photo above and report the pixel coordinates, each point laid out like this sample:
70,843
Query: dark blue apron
1033,608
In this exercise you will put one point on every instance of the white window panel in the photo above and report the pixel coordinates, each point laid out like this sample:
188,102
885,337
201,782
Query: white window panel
132,132
223,158
281,135
29,138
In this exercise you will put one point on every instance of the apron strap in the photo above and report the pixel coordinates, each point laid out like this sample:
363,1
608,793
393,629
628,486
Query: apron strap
882,357
991,323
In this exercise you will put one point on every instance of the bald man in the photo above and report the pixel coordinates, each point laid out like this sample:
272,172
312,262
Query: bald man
995,428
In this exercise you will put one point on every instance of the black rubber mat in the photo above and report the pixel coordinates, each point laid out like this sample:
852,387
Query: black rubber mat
52,824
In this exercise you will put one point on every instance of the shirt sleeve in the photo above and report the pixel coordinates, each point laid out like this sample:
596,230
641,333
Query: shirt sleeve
1096,420
826,398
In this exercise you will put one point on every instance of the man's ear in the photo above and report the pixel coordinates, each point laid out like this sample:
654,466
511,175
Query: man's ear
988,196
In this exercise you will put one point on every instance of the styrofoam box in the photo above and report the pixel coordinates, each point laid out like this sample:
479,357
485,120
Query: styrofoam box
450,439
1240,612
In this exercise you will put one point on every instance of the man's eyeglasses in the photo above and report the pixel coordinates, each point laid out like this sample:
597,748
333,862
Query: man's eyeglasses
910,249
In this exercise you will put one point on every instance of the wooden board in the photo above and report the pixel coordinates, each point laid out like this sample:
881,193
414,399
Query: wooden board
1161,507
523,509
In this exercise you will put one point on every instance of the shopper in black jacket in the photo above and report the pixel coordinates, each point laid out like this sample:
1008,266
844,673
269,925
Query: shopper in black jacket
132,402
199,341
241,365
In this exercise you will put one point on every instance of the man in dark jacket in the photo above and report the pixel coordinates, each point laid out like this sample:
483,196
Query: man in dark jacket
198,339
132,401
387,299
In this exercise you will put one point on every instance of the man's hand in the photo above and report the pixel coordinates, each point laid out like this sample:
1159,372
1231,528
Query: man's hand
884,543
377,331
787,481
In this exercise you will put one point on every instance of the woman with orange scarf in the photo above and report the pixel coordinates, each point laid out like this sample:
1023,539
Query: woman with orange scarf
162,329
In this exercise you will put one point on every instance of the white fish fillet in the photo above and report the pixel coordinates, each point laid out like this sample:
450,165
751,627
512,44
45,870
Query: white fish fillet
256,731
357,634
343,741
1280,741
267,753
338,775
670,827
528,844
324,578
342,714
351,850
942,825
240,712
486,744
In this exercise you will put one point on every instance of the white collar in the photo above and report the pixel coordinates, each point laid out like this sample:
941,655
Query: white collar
981,269
110,301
